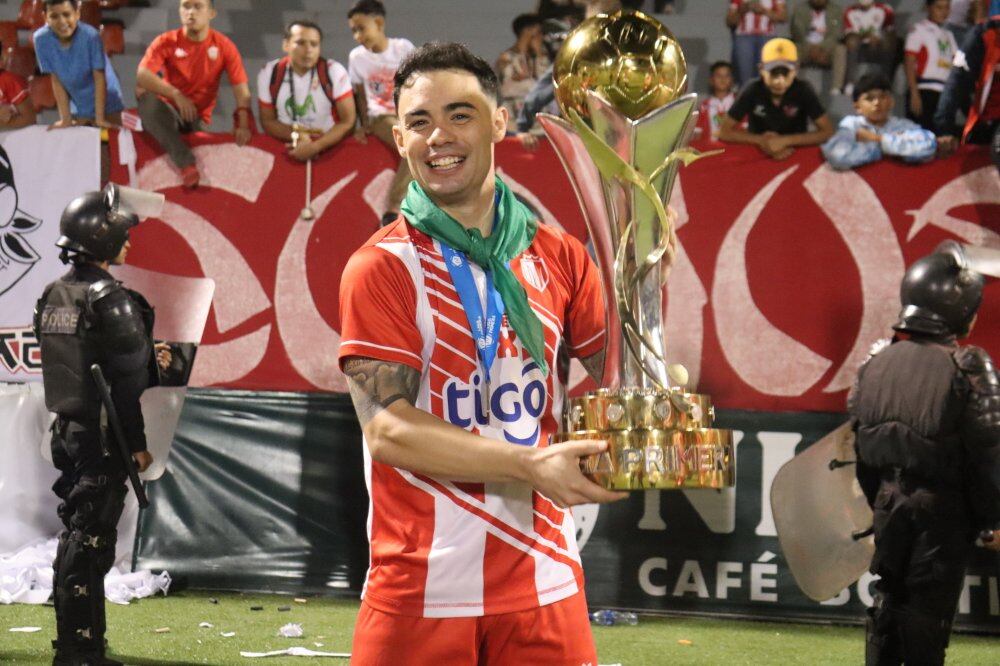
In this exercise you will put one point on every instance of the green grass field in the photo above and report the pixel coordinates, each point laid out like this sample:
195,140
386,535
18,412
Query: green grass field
330,622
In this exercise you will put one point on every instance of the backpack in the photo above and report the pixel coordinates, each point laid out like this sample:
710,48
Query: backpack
322,73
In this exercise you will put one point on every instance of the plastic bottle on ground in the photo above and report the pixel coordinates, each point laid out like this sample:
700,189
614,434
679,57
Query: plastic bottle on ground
610,618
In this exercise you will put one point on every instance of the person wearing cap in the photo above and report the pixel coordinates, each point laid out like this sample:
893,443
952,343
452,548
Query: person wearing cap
873,132
777,107
85,318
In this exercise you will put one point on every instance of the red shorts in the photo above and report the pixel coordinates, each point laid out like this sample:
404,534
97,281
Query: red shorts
557,634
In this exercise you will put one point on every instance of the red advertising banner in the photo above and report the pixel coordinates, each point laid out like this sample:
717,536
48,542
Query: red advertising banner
788,270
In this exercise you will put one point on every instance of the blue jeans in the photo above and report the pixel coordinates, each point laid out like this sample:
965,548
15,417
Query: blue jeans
746,56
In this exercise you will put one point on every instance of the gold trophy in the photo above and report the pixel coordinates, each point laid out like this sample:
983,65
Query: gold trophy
620,82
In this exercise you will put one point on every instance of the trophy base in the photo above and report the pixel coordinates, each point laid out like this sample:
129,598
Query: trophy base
659,440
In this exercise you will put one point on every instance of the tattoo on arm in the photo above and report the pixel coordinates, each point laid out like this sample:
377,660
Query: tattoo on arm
375,385
595,366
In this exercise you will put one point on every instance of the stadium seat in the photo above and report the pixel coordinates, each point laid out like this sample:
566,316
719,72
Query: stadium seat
90,12
20,60
8,34
31,15
40,90
113,36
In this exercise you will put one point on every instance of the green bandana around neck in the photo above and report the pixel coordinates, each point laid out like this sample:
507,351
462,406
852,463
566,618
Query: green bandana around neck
514,230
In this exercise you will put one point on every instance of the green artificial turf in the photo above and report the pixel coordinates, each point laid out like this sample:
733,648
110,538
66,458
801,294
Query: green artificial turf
330,621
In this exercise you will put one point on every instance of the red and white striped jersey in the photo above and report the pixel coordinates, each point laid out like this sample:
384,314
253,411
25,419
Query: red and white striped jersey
756,24
447,549
875,19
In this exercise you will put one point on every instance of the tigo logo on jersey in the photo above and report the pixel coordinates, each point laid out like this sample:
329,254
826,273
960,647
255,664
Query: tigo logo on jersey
518,406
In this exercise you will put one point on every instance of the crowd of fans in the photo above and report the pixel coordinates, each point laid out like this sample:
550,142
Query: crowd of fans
949,59
311,102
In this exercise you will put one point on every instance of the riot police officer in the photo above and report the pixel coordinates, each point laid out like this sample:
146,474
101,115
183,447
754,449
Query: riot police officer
926,414
88,317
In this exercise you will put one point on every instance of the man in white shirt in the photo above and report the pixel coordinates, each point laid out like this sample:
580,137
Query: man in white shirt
304,99
930,48
372,65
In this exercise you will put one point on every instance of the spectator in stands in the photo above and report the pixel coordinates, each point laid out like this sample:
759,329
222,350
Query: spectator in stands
543,96
570,11
752,23
16,110
520,66
930,48
84,83
963,15
874,133
870,37
778,107
178,81
817,28
306,94
372,65
973,86
720,98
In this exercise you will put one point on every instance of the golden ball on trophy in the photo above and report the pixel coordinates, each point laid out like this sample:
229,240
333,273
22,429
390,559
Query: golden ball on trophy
629,58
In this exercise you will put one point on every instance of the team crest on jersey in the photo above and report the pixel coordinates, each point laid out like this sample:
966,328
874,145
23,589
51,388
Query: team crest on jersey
180,53
213,52
534,271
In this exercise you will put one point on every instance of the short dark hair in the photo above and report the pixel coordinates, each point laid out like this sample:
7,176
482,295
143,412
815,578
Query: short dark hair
437,56
54,3
370,7
869,82
304,24
719,64
524,21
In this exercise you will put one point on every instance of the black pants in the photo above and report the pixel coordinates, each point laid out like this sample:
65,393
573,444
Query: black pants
923,541
92,489
928,100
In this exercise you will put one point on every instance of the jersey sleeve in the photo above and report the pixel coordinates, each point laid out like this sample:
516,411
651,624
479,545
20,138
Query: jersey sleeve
264,84
15,89
234,62
378,310
43,54
352,69
585,313
913,41
340,80
155,56
890,18
95,50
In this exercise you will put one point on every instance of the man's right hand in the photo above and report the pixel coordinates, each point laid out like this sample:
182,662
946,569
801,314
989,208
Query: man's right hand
916,103
143,459
555,472
185,107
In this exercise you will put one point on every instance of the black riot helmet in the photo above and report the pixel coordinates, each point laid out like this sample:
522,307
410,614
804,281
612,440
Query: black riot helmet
940,293
95,225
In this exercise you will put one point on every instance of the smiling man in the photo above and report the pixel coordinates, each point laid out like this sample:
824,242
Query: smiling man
451,318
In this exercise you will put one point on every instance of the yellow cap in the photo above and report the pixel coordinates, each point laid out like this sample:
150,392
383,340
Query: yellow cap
779,52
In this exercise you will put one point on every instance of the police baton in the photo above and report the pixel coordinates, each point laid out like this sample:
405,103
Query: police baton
116,429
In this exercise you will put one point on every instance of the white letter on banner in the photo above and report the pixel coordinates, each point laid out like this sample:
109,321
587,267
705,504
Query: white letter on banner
723,582
311,343
994,597
858,215
757,581
964,604
646,576
691,579
766,358
839,600
979,187
716,508
776,449
864,587
238,292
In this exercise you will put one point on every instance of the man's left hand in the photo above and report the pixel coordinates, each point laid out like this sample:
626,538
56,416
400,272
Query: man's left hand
242,135
304,149
163,355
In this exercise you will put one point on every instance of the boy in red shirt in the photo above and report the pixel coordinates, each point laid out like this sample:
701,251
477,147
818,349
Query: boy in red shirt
15,106
178,82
